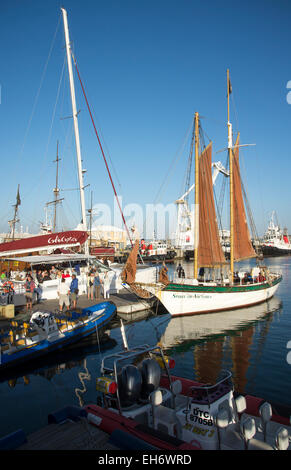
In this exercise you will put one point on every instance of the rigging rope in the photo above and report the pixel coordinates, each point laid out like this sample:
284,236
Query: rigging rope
40,85
101,148
173,165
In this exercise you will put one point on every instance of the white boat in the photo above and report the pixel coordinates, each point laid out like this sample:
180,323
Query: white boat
275,241
48,289
224,290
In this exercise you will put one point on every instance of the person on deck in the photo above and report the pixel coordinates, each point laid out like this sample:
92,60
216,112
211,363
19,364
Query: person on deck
179,270
77,269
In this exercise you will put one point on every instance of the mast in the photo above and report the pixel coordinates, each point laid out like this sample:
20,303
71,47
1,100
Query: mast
196,223
76,127
56,190
15,219
229,128
90,212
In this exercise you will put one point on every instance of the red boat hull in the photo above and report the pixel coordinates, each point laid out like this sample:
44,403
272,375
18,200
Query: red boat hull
111,421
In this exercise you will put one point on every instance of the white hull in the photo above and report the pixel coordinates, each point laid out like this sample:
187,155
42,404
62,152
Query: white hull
147,274
187,300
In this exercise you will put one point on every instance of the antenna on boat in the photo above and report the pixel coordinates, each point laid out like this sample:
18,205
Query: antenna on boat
125,345
76,127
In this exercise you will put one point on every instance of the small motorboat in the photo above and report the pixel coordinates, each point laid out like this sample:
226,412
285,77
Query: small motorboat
47,331
140,400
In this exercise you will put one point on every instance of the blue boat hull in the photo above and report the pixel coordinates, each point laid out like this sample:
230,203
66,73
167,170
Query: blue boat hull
70,337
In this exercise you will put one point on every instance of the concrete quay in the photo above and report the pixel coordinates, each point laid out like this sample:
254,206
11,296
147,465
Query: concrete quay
125,301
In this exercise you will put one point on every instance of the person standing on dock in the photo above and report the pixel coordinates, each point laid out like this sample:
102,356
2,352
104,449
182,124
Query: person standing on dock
97,285
63,293
74,290
90,285
106,285
29,289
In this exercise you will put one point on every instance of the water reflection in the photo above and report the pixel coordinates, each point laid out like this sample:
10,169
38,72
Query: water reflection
58,362
221,339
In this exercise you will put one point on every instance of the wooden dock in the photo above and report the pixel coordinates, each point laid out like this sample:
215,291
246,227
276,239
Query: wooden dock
68,435
71,429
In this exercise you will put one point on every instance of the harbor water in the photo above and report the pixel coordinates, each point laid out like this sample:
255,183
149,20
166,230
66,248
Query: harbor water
252,343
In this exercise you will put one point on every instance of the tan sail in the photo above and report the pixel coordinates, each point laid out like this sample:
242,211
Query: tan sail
163,275
128,274
242,245
209,248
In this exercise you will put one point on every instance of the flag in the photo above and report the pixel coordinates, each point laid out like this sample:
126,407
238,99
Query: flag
18,200
229,87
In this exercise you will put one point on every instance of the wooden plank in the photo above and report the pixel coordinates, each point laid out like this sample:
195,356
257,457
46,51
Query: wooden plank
68,435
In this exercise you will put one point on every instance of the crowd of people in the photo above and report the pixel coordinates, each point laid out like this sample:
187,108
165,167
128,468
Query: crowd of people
98,284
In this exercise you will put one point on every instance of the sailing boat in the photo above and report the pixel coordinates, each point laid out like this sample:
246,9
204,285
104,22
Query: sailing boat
225,291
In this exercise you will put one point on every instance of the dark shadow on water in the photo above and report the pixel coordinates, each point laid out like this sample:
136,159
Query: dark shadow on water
71,356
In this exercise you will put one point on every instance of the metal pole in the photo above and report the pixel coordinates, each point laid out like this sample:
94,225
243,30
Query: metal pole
230,185
196,226
76,127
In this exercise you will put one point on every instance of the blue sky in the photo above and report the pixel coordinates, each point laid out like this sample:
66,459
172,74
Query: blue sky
147,66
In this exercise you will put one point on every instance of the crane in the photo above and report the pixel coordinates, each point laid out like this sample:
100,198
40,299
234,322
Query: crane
185,220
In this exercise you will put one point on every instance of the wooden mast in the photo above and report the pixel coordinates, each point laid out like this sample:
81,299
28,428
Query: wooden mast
229,128
196,223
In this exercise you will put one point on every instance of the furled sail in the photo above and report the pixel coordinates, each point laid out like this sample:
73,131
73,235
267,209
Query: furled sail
242,245
209,248
163,275
128,274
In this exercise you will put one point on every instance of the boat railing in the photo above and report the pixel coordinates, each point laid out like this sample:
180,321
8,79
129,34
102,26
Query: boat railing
131,356
127,354
207,394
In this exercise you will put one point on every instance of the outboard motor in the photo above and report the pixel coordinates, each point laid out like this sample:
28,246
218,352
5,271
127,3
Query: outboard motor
44,323
151,376
129,385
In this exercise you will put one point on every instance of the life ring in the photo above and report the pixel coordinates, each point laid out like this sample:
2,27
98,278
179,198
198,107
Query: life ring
8,286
